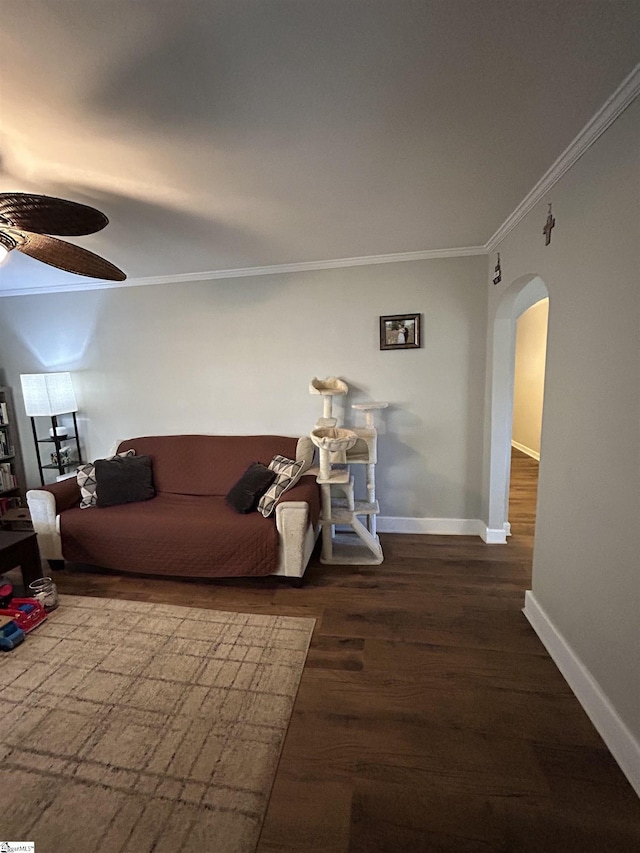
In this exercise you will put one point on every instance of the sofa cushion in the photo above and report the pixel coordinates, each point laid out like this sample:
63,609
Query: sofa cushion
206,464
173,535
305,451
124,479
288,472
86,477
245,494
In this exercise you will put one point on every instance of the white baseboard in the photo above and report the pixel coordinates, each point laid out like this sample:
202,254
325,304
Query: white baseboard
621,743
437,526
444,527
532,453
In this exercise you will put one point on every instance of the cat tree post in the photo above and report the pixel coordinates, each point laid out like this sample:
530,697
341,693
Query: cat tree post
369,435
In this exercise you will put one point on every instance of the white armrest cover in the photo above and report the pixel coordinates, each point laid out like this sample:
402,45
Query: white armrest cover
42,506
297,538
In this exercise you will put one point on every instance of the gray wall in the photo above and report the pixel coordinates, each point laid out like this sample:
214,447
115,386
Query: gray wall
236,356
586,572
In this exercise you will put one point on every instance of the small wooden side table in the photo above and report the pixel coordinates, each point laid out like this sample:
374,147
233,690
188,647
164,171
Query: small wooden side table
21,549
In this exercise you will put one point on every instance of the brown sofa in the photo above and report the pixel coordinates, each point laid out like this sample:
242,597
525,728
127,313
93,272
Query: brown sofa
187,529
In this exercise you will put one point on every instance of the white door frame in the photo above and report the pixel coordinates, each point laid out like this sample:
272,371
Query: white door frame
517,298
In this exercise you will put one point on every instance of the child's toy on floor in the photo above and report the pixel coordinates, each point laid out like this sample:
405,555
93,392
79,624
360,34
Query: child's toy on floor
6,594
10,634
26,612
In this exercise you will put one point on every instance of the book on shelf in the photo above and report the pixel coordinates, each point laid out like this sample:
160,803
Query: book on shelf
5,447
7,478
4,414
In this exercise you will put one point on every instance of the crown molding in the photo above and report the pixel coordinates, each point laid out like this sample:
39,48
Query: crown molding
247,272
626,92
312,266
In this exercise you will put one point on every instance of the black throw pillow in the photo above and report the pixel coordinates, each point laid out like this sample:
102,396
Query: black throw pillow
123,480
244,496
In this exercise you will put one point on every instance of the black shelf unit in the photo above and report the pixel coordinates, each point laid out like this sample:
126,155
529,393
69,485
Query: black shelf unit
57,442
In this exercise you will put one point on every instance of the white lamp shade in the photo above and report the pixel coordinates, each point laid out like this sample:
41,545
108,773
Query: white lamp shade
48,394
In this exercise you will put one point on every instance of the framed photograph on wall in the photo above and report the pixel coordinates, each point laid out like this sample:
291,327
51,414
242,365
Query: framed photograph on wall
400,331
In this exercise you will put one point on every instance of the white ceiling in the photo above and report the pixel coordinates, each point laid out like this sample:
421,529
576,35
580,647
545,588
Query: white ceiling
247,133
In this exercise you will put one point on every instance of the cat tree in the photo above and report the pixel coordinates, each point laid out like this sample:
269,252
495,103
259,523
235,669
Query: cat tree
339,448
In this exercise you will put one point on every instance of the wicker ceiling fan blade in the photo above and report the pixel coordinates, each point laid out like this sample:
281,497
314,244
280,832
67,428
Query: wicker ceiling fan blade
66,256
47,215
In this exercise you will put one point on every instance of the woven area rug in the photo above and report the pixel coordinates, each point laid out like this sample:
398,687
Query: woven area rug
136,727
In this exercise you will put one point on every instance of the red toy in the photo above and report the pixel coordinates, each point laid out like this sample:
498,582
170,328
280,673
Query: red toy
27,613
6,594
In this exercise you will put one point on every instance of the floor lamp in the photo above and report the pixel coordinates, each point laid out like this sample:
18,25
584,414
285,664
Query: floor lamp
50,395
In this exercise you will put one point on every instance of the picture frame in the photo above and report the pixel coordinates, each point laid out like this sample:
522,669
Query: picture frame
400,331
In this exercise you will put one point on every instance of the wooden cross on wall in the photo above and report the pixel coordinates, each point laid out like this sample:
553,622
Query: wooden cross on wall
549,224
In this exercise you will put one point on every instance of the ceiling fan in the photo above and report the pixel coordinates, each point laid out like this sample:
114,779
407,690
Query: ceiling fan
27,220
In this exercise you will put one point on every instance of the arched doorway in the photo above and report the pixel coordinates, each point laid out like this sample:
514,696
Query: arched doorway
519,296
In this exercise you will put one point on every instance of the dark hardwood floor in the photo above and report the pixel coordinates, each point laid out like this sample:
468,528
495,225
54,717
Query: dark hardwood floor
429,716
